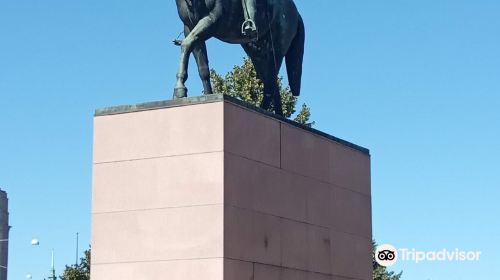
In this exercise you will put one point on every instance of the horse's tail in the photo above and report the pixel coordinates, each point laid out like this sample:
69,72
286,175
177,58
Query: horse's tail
294,58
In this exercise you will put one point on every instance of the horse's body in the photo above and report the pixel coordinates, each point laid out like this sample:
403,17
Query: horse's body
281,35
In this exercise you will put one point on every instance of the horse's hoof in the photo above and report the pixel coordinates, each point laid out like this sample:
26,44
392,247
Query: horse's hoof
180,92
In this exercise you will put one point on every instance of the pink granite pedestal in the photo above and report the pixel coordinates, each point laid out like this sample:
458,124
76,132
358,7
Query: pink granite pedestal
209,189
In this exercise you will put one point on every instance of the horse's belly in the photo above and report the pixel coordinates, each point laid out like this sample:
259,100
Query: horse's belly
233,35
233,40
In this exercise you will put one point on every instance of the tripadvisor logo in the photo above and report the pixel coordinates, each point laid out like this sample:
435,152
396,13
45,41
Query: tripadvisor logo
387,255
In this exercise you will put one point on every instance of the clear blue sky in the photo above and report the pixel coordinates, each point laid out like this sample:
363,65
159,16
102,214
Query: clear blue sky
417,82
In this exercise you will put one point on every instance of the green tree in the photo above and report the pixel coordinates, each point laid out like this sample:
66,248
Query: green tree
79,271
380,272
242,83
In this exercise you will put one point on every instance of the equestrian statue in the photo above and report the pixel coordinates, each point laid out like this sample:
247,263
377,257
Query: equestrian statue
268,30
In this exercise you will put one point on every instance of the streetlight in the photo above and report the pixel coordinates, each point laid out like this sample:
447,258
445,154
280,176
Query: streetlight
34,242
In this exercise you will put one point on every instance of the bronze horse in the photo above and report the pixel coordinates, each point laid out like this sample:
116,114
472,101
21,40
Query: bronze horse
281,35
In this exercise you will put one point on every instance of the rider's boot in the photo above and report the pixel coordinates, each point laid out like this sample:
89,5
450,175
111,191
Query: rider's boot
249,29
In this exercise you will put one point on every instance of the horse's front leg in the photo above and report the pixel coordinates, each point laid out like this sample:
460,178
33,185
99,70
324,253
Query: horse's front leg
198,35
180,89
201,56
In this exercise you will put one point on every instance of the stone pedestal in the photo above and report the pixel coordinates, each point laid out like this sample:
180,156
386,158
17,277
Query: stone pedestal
208,188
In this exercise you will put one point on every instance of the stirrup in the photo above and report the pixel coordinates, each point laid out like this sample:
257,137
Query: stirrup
248,27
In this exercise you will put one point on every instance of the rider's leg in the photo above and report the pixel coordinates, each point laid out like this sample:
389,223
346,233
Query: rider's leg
252,9
249,27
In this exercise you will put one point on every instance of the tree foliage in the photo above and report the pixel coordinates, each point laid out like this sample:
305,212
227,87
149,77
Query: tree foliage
242,83
380,272
79,271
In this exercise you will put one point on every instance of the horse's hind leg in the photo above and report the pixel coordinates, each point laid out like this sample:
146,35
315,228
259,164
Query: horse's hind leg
278,106
267,63
201,56
267,72
271,94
